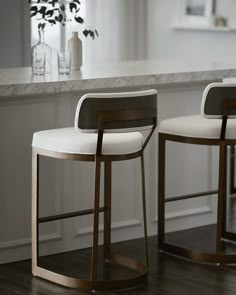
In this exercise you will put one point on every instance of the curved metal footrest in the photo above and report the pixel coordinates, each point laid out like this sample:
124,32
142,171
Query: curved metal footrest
198,256
130,282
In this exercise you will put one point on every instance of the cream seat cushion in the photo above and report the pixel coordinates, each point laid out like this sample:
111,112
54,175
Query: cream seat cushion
69,140
197,126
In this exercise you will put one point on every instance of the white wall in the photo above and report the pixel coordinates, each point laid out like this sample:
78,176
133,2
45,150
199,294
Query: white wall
165,43
14,34
121,25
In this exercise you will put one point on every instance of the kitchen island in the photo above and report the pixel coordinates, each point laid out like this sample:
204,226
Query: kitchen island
21,82
31,103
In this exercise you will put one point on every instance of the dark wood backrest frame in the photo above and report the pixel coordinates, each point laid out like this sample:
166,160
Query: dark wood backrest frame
91,104
214,97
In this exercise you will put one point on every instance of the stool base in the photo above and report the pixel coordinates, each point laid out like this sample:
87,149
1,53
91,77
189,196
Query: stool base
86,284
198,256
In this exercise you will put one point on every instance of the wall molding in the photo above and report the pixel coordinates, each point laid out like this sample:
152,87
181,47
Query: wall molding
115,225
33,99
24,242
189,212
186,213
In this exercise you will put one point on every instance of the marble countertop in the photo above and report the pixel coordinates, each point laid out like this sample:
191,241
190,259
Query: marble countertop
20,81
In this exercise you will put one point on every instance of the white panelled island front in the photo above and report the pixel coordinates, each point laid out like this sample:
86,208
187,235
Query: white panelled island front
31,103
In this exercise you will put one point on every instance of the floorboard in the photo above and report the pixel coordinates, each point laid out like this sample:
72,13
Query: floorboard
168,275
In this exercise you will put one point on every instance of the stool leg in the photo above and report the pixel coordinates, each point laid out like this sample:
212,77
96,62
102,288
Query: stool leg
224,209
107,212
225,232
232,169
221,196
144,209
35,211
96,220
161,191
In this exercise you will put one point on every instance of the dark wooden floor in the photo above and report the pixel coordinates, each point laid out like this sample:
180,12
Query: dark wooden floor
168,275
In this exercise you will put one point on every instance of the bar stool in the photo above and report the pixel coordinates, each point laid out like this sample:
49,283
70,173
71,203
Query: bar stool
107,129
215,126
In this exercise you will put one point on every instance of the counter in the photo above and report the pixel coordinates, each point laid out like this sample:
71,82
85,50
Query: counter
19,81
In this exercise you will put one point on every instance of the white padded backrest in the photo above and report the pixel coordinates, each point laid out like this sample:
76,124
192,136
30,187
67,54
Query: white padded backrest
213,99
89,106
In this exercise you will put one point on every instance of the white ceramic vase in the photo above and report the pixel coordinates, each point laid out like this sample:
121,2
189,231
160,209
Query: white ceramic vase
75,48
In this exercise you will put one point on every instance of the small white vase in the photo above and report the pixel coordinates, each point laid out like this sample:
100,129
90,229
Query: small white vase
75,48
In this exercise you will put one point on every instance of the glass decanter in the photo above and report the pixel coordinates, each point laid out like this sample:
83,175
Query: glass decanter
43,48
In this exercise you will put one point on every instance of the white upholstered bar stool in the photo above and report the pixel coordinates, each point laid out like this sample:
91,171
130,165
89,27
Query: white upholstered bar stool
215,126
107,129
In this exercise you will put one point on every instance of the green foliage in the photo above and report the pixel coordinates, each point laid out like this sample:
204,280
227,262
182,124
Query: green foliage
54,11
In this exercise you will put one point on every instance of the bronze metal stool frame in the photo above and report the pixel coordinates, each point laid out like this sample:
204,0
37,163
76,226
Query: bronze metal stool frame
92,283
221,231
232,185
